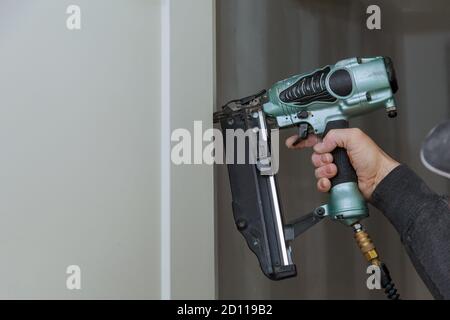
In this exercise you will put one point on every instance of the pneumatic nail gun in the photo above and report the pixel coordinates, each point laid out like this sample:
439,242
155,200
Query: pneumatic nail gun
315,102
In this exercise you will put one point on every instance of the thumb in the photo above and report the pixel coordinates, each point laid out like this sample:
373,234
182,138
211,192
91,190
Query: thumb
335,138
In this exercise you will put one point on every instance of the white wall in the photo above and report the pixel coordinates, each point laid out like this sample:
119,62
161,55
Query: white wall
81,140
192,187
78,134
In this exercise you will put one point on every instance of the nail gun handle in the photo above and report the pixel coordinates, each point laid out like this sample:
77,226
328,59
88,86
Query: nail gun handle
345,171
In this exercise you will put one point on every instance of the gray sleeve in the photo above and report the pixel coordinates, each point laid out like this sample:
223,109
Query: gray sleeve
422,218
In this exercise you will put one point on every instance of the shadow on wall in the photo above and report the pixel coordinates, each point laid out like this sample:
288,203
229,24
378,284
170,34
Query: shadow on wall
262,41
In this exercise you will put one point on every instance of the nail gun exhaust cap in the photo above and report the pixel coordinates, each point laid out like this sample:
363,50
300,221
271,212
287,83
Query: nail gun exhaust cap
341,83
391,74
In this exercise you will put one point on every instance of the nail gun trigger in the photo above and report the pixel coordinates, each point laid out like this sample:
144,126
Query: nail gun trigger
303,129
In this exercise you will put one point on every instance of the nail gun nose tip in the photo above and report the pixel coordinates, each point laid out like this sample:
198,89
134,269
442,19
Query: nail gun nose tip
241,224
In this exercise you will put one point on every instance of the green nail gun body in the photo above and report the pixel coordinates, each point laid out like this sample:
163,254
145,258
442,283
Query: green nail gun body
325,99
316,102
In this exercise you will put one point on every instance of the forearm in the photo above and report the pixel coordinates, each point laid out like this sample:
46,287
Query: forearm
422,219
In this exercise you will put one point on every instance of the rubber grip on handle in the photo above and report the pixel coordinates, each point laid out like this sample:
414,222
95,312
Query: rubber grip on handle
345,171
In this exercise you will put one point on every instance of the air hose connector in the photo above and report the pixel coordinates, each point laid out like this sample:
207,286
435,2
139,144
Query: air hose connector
366,245
369,251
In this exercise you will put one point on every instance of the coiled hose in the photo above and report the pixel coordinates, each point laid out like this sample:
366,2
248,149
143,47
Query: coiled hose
369,251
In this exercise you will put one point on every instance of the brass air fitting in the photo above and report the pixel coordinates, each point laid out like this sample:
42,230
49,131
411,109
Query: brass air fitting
366,245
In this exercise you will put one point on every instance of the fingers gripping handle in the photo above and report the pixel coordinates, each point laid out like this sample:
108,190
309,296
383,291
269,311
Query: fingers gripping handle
345,171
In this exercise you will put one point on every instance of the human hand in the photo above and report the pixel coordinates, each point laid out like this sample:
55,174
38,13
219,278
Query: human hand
370,162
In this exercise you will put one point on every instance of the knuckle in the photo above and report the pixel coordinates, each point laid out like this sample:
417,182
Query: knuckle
331,135
330,157
326,158
333,169
357,132
315,159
